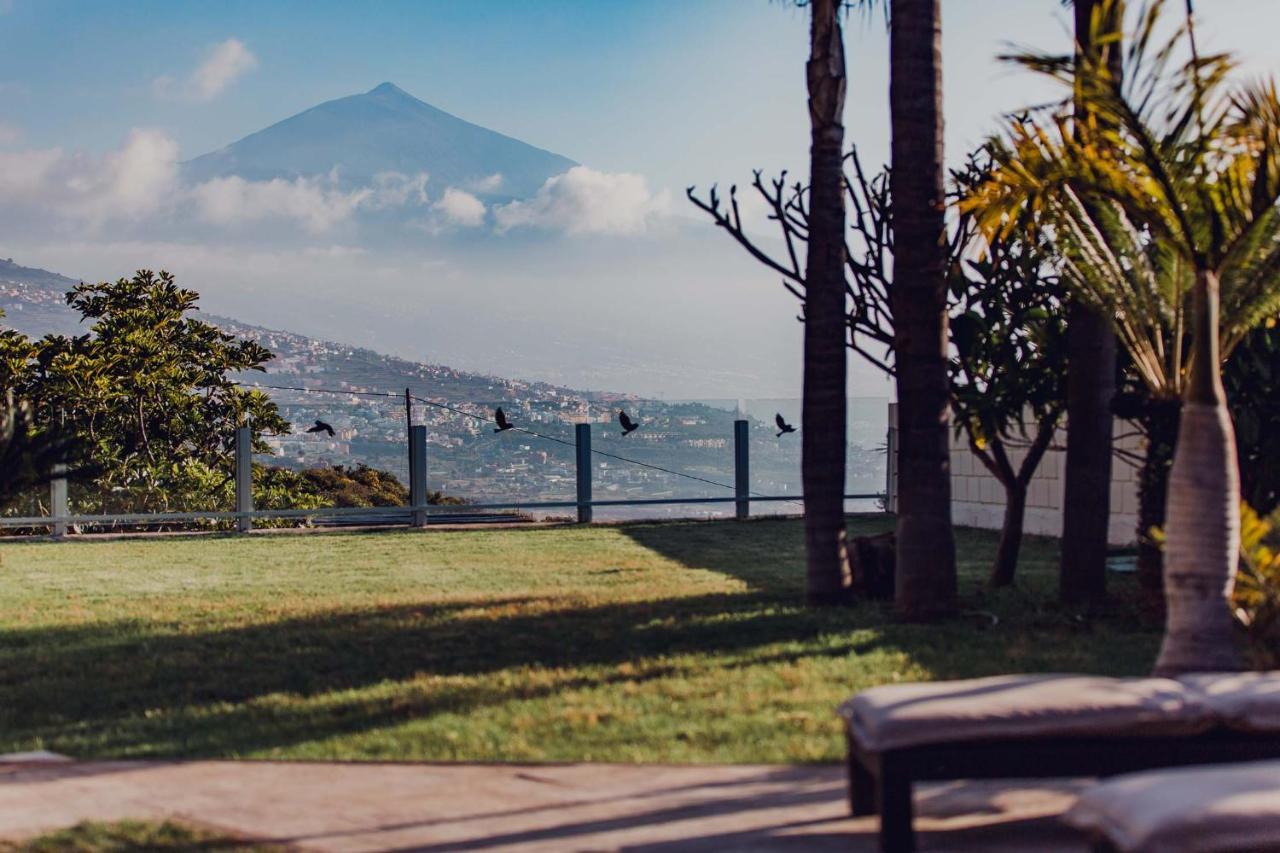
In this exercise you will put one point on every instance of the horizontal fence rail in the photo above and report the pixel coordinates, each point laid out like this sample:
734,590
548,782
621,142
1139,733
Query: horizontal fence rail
434,511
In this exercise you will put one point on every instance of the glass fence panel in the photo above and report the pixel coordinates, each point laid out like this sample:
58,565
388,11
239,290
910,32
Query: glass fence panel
349,447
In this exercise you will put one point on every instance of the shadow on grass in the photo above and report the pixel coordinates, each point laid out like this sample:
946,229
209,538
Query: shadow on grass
140,688
765,553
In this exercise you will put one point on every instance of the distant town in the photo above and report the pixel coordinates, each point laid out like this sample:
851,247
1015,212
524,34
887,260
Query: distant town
361,394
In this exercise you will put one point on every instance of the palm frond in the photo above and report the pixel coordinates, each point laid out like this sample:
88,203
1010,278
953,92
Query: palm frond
1149,172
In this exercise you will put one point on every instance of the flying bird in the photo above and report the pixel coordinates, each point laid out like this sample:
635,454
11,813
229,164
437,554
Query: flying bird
628,426
321,426
783,426
500,418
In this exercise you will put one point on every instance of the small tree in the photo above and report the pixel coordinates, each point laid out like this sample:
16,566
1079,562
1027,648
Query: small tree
151,392
1008,370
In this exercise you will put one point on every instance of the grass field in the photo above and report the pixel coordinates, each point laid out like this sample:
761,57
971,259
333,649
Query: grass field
678,642
132,835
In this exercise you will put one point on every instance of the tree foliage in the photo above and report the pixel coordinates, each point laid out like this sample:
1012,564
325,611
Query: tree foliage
1252,379
149,390
1256,597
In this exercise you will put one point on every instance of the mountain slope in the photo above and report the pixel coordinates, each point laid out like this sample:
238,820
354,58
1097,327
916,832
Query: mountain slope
385,130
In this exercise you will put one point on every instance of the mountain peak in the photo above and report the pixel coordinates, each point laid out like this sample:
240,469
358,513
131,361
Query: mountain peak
389,89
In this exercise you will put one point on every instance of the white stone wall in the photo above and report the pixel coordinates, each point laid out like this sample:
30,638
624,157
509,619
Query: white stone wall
977,498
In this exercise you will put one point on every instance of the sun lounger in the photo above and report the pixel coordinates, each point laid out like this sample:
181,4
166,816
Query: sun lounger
1040,726
1214,809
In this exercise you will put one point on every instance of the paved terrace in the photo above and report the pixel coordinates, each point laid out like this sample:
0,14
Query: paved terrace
469,807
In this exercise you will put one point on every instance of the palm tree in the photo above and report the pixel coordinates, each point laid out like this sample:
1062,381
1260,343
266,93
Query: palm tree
1165,205
1091,369
828,577
926,567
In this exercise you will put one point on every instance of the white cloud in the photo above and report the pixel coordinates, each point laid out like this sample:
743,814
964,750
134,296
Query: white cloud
586,201
23,174
487,184
394,189
459,207
235,201
9,134
318,204
129,183
140,182
226,63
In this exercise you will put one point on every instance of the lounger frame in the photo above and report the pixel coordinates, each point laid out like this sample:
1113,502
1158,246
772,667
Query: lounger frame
881,782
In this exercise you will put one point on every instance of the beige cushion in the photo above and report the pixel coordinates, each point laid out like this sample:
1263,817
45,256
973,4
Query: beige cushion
1210,808
1021,706
1246,701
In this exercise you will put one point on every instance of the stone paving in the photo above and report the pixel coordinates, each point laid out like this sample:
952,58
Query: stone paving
560,807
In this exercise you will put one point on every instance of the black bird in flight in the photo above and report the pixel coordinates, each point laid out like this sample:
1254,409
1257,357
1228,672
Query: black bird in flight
783,426
628,426
321,426
500,418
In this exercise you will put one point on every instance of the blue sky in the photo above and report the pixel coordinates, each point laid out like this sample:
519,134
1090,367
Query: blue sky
676,91
673,89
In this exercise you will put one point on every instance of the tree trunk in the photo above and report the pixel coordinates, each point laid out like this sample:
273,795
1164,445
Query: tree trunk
1015,485
1015,511
1091,377
926,567
1203,515
1086,502
1160,423
828,576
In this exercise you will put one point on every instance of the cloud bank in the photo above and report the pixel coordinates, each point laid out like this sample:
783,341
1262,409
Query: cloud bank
141,184
586,201
128,184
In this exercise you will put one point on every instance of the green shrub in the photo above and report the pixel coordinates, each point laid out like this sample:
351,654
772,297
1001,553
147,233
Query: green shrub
1257,592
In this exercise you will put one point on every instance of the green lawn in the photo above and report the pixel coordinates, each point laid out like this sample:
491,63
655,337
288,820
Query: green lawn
133,835
679,642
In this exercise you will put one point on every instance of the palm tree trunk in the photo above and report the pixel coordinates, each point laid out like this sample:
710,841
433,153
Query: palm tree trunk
926,567
1203,515
1091,369
828,576
1086,502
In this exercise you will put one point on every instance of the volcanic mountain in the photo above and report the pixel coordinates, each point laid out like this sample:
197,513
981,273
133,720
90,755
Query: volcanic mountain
385,130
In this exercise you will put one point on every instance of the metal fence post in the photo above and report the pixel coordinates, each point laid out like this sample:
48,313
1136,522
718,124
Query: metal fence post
244,477
742,468
418,475
582,434
58,500
891,462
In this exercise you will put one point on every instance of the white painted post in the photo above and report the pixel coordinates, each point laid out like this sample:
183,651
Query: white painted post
891,462
58,500
244,478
